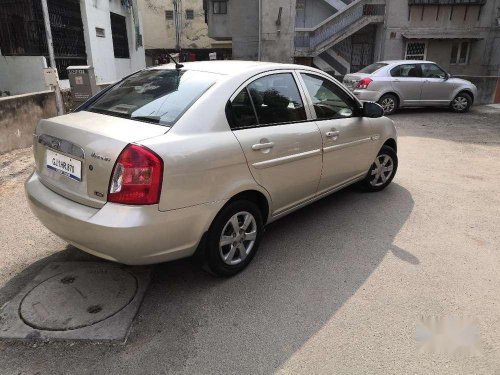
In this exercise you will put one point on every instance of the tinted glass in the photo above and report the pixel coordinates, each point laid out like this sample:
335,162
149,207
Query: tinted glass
454,53
328,99
158,96
243,112
407,70
432,71
372,68
277,99
463,53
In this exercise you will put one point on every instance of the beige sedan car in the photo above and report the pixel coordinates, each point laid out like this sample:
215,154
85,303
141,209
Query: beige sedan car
174,160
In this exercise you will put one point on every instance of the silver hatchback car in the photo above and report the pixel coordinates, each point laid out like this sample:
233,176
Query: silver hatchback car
411,83
172,160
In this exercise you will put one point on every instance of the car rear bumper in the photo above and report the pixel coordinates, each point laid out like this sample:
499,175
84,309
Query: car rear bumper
367,95
127,234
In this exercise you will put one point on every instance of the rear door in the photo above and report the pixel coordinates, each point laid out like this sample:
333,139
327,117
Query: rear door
282,148
348,147
407,82
436,89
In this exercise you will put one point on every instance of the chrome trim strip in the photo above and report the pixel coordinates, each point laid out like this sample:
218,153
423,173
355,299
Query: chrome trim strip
61,145
345,145
285,159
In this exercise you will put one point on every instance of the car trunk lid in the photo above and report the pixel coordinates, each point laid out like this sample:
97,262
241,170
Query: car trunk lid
75,153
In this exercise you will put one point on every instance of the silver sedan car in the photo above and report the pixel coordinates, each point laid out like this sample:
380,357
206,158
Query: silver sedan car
177,160
411,83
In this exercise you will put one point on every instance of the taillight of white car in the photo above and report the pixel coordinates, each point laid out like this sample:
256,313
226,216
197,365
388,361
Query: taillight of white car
136,177
363,84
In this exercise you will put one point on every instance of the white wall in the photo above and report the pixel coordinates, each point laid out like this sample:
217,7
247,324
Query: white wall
22,74
96,13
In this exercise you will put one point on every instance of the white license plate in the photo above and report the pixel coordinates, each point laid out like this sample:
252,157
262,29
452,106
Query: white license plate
65,165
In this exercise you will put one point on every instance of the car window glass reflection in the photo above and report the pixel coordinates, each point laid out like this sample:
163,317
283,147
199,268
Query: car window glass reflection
328,100
277,99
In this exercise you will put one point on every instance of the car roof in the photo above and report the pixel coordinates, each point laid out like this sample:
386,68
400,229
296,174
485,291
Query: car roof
234,67
392,62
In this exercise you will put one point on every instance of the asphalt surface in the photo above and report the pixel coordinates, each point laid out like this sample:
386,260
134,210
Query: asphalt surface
342,286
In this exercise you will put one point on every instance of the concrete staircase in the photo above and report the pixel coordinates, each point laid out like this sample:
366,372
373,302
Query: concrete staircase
319,42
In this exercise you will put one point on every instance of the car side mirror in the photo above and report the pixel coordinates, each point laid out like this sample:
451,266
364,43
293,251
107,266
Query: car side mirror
372,110
447,76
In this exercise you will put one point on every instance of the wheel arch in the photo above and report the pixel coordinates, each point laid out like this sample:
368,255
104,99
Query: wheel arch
257,197
466,91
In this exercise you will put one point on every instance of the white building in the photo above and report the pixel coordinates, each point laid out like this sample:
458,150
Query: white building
106,34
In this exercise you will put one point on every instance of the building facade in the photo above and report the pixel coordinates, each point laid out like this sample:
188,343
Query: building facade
106,34
342,36
178,25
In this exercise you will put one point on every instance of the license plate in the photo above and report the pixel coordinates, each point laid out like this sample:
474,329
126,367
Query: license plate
65,165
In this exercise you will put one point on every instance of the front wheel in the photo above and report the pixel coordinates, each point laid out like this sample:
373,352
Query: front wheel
233,238
461,103
382,170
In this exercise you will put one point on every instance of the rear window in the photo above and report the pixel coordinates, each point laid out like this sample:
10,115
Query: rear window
156,96
372,68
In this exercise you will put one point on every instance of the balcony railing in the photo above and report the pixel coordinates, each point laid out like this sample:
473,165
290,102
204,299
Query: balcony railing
312,37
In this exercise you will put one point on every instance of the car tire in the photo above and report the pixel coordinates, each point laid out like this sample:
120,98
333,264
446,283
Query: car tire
461,103
389,103
378,177
229,251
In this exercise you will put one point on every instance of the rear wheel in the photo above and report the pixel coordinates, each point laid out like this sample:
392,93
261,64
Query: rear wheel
382,170
461,103
389,103
233,238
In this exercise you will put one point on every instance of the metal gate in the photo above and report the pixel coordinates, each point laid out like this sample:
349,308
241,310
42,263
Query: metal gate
361,56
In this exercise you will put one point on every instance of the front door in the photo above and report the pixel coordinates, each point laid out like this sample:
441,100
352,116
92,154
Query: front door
436,90
348,147
407,82
282,148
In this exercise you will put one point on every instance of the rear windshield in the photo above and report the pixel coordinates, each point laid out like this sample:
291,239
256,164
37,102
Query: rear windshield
156,96
372,68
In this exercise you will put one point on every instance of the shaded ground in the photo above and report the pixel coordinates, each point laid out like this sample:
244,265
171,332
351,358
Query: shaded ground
337,287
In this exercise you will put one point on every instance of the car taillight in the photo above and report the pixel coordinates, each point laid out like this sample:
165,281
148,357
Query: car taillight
363,84
136,177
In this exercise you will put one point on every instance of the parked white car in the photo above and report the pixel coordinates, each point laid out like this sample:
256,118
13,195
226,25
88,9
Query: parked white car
202,156
411,83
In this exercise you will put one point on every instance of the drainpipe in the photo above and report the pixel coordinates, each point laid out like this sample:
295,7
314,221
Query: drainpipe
260,31
50,46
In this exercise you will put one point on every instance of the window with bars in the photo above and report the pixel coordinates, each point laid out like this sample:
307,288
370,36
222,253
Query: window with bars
460,53
169,14
119,34
220,7
416,50
189,14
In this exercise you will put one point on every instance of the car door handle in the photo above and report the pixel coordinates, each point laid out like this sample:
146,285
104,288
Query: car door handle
262,146
332,134
396,80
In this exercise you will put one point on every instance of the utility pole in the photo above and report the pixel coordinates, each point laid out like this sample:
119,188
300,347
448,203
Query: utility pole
48,34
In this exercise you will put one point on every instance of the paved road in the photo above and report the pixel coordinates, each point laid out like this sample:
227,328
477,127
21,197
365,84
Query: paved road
338,287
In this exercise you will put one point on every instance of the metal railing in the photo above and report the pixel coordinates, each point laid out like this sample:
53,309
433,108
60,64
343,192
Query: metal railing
311,38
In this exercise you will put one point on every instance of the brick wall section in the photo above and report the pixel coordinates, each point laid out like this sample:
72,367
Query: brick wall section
19,115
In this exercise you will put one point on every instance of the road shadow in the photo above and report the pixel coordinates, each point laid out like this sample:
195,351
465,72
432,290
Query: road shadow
309,264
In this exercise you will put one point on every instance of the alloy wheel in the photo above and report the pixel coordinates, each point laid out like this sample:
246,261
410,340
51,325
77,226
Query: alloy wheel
388,104
460,103
381,170
238,238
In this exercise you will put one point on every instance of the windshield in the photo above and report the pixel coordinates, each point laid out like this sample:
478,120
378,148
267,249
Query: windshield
372,68
157,96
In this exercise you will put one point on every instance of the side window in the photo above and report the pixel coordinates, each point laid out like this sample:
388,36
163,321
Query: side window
432,71
276,99
328,99
407,70
243,112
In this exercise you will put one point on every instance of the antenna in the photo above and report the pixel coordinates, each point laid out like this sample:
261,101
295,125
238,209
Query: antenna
177,65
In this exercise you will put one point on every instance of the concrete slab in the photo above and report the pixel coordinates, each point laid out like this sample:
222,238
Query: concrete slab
76,301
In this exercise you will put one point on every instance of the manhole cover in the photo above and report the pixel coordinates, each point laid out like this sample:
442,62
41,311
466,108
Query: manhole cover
79,298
